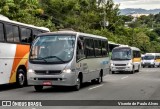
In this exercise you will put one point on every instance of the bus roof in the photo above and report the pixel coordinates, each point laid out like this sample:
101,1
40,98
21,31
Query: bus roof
152,54
74,33
112,43
133,48
6,19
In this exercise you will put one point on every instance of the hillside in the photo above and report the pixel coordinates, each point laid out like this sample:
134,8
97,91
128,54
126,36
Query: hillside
139,11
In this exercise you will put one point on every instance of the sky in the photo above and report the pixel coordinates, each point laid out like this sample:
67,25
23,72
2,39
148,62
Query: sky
145,4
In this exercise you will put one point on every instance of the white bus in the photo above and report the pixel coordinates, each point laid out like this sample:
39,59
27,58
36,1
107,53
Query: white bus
151,60
67,58
125,58
15,39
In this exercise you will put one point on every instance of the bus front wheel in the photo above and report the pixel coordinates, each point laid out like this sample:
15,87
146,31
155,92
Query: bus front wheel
78,84
133,70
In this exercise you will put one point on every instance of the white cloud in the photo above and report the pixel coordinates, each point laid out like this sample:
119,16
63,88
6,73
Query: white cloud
145,4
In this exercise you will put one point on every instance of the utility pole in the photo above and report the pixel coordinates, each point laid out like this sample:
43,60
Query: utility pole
104,19
105,23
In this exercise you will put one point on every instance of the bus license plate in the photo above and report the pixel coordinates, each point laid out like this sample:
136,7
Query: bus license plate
47,83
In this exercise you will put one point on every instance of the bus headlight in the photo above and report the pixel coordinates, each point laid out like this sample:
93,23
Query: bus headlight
112,64
30,71
130,64
67,71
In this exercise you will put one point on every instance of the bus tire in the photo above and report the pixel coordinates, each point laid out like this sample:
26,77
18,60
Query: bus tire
113,72
99,80
138,68
78,84
38,88
133,70
21,78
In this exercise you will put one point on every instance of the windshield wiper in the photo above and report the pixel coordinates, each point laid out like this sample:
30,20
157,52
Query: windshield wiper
120,58
54,57
41,58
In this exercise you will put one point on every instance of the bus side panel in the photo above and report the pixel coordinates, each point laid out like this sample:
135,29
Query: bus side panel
91,68
137,62
157,61
7,53
21,58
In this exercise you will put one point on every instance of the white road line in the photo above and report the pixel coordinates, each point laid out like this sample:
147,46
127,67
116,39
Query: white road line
95,87
124,77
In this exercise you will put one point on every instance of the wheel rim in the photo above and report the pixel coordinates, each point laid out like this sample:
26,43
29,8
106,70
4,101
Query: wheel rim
21,79
78,83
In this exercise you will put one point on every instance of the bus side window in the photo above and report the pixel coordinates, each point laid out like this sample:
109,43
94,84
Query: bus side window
104,45
26,35
16,34
1,32
80,49
97,47
9,33
136,54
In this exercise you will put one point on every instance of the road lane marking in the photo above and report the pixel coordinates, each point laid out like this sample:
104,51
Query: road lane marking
124,77
95,87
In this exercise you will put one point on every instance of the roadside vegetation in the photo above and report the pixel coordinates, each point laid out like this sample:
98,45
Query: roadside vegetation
87,16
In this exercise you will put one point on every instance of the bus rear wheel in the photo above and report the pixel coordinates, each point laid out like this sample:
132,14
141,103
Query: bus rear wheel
38,88
99,80
21,78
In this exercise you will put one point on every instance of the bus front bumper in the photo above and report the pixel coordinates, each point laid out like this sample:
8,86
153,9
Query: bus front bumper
121,68
53,80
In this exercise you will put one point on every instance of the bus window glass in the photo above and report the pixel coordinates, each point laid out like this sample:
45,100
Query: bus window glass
16,33
80,49
1,32
26,35
35,32
53,49
121,54
97,47
149,57
104,48
89,47
9,33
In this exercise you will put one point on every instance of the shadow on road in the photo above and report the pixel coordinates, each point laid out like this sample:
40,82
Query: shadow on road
121,73
63,89
8,87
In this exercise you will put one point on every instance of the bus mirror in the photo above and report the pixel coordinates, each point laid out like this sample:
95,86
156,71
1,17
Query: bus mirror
34,36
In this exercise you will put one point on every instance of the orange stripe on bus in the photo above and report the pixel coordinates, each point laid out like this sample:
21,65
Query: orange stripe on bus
19,59
136,60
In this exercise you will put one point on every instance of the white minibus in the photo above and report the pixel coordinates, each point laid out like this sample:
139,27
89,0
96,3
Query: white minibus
67,58
125,58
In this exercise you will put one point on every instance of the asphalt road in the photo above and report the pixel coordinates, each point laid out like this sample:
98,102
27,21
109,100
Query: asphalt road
144,85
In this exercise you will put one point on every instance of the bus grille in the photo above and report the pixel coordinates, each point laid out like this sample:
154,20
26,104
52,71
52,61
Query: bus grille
120,64
47,72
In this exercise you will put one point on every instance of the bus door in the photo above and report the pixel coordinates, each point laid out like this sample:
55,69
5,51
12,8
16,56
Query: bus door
80,57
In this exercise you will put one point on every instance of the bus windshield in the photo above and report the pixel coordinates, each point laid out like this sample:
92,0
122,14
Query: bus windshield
121,54
53,49
149,57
